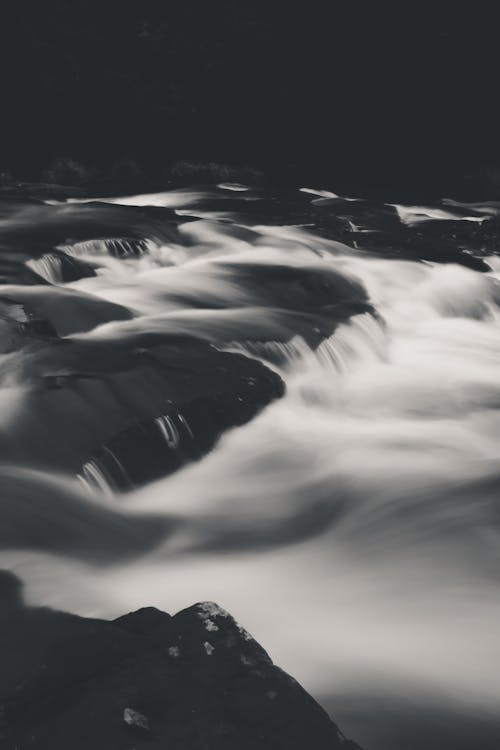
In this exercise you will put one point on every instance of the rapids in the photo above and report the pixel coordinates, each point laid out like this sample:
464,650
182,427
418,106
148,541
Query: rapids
352,524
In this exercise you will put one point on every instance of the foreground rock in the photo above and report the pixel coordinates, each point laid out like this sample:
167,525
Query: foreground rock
195,681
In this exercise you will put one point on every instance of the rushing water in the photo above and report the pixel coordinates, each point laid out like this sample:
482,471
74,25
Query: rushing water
352,525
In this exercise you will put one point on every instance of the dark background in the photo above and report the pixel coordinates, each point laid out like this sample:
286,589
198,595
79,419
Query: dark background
366,97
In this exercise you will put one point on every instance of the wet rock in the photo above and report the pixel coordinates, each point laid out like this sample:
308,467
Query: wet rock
295,288
39,227
378,227
194,681
141,413
66,310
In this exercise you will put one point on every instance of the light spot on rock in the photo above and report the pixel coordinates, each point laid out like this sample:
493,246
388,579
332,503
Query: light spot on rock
211,609
208,648
208,610
245,634
271,694
174,651
134,718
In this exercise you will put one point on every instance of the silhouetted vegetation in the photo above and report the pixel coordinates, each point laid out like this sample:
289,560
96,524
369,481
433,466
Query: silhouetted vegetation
368,96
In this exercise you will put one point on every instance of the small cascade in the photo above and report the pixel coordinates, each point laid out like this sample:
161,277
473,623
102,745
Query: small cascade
117,247
49,267
282,354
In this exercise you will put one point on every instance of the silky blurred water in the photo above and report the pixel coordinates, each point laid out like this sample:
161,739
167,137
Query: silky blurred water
352,526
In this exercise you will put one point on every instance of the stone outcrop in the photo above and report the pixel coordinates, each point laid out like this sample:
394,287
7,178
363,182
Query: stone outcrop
194,681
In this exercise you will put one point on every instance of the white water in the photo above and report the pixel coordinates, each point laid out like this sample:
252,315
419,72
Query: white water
353,525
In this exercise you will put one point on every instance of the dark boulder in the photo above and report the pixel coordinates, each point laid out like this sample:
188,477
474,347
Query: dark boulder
376,227
195,681
151,409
